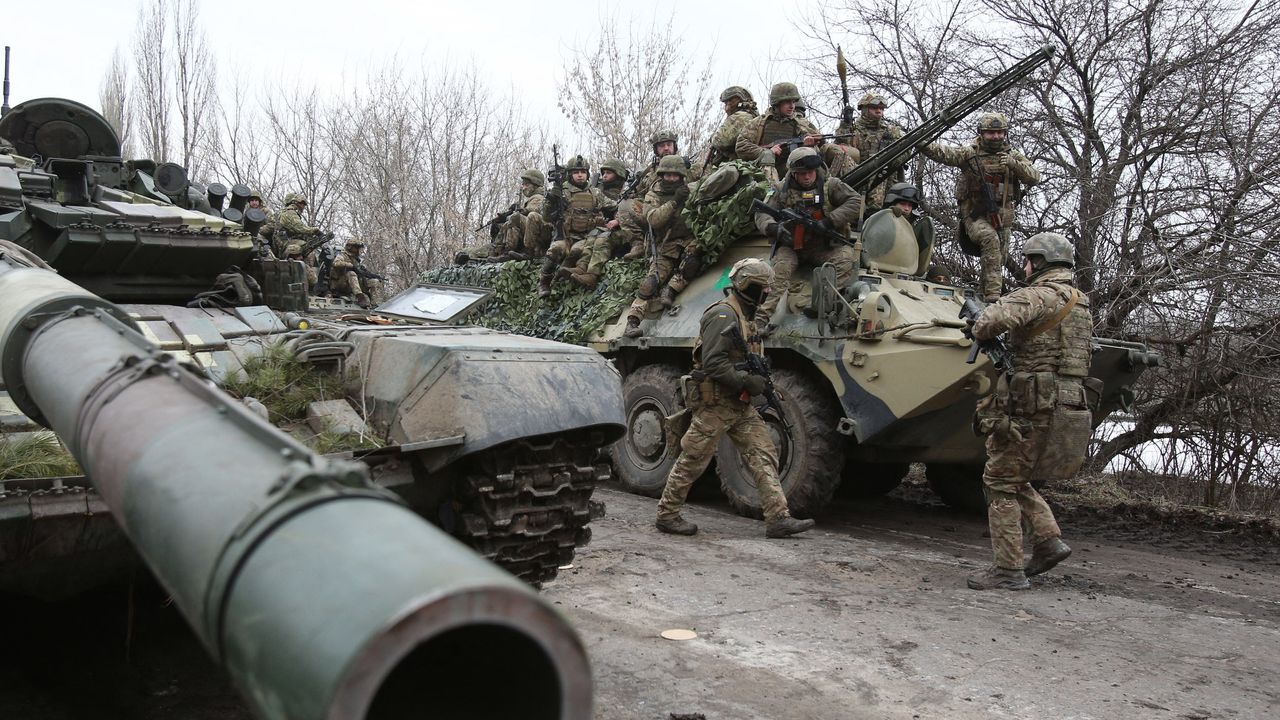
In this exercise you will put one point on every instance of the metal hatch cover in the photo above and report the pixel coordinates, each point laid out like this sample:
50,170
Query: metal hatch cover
435,303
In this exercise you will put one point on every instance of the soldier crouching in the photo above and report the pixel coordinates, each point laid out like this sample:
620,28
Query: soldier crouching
719,408
345,280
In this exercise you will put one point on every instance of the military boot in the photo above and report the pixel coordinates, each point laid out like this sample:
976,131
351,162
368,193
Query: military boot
676,526
997,578
633,327
585,279
668,297
544,285
786,527
1046,554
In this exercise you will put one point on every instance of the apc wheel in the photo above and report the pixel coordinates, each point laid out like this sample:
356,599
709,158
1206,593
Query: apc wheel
810,454
641,457
868,480
959,486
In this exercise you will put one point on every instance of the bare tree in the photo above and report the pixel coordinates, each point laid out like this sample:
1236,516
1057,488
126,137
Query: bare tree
150,97
625,84
113,96
194,74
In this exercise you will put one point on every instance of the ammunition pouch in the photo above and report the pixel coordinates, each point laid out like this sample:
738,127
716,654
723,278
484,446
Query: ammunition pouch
1066,443
674,426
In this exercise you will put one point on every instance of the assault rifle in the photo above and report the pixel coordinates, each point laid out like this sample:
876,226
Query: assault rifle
846,112
799,223
365,273
323,267
498,220
629,190
791,143
555,203
876,169
755,364
994,348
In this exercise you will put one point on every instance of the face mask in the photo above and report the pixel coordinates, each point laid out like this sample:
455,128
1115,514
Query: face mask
753,294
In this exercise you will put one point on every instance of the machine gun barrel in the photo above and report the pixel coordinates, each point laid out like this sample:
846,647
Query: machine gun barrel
320,594
877,168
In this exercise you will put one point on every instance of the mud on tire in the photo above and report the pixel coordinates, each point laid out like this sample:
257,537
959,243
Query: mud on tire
810,456
641,456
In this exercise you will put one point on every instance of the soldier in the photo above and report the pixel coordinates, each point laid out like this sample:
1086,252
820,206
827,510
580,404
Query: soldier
293,251
290,221
1029,415
990,186
808,190
903,197
613,177
871,134
759,136
721,404
585,210
739,108
343,278
524,232
662,212
255,200
600,248
630,211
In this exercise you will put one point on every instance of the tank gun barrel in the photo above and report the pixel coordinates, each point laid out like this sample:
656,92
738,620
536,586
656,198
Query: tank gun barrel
4,109
321,595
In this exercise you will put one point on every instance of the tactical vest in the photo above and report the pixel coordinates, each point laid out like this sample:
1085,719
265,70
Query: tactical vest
710,390
870,140
677,229
1064,349
582,213
969,194
814,203
534,200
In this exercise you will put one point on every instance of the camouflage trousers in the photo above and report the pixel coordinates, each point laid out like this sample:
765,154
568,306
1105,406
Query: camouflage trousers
661,268
600,249
785,262
349,283
749,435
995,248
1011,500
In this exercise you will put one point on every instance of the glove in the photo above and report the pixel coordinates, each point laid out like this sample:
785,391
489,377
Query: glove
754,384
826,224
1003,159
682,194
783,233
771,230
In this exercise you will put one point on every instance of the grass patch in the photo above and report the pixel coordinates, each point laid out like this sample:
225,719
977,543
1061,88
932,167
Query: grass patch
284,384
36,455
333,442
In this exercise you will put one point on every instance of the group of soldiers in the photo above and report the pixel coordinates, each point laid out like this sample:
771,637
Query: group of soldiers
287,236
1047,323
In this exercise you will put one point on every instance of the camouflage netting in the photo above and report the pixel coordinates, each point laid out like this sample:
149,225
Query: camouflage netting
718,223
570,314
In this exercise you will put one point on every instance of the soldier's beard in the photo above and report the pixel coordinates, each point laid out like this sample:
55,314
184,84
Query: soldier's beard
871,121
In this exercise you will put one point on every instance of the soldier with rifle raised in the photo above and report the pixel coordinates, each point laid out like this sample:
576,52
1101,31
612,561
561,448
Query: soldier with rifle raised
770,138
727,373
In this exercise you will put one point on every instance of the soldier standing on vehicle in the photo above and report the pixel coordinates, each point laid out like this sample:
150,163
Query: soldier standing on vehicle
739,109
759,138
662,212
1038,419
992,180
808,190
344,280
721,405
585,210
871,134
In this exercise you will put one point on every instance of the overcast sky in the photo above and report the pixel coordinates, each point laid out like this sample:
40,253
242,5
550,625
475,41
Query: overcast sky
62,47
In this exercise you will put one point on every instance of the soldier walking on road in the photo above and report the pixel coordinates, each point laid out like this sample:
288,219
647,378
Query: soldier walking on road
718,407
990,186
1038,420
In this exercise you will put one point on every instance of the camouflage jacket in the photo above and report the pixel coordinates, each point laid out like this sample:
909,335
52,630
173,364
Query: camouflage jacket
759,132
291,222
717,355
979,166
724,144
613,191
663,213
836,202
1028,315
869,139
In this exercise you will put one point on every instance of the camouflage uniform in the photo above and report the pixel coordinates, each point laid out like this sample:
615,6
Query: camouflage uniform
718,410
343,279
761,131
1050,343
871,135
840,207
524,231
290,221
585,210
1005,171
600,248
662,211
724,143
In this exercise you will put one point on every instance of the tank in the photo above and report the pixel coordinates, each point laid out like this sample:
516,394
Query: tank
469,426
874,375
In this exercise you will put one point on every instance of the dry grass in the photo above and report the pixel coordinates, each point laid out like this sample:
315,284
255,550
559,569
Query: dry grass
284,384
36,455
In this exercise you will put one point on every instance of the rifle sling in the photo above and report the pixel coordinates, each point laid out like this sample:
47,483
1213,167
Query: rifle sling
1057,318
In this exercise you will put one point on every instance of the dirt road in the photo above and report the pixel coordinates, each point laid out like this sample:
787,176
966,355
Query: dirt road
868,617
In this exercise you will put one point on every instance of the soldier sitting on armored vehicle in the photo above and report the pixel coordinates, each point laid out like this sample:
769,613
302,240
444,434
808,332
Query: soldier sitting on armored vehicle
585,210
676,259
601,247
288,224
807,190
519,232
739,109
769,139
348,275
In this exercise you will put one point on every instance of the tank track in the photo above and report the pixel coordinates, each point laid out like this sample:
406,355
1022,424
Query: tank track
526,505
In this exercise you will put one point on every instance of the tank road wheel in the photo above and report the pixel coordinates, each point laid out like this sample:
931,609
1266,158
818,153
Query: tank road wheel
959,486
641,456
868,480
810,454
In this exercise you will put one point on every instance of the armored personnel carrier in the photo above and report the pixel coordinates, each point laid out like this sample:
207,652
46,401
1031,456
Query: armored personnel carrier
468,425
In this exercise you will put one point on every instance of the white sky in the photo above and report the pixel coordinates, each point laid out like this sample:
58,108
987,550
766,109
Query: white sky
62,47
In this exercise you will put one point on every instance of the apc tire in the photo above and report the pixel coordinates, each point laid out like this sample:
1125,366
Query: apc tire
869,480
810,456
641,458
959,486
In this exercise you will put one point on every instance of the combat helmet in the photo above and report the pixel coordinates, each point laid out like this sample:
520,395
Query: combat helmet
664,136
577,162
293,198
783,92
902,191
750,271
736,91
993,121
354,243
1054,248
872,99
804,158
617,166
535,177
673,164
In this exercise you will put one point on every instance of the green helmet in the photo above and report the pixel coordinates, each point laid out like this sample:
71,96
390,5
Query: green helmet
577,162
782,92
535,177
664,136
294,197
1054,248
254,194
804,158
872,99
617,166
902,191
993,121
735,91
750,271
354,243
673,164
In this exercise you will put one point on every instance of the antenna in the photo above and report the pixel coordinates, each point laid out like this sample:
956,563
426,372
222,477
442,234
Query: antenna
4,109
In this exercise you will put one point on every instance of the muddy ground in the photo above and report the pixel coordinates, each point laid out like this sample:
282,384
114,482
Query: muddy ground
866,617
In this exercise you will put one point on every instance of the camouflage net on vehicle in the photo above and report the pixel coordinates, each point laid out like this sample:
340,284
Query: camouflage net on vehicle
570,314
719,222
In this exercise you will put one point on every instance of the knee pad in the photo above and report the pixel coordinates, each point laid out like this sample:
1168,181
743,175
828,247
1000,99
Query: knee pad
690,264
649,286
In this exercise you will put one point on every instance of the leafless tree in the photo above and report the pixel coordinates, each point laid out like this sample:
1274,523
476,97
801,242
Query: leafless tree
113,97
151,91
624,84
194,75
